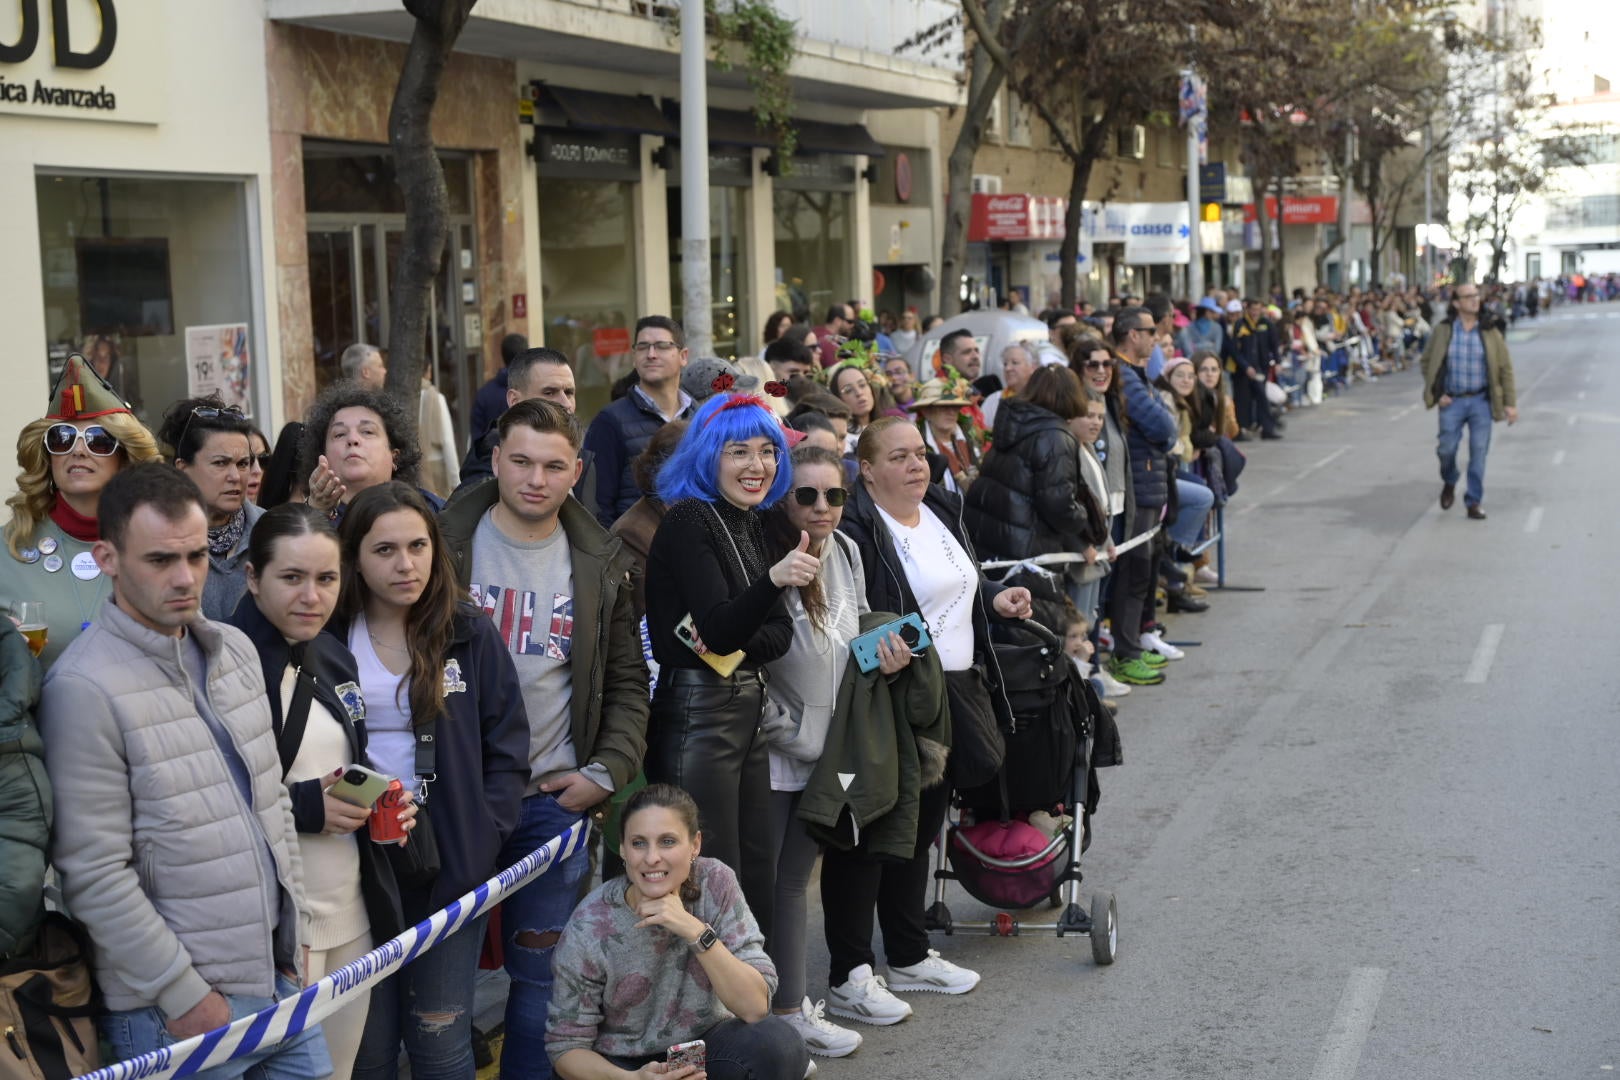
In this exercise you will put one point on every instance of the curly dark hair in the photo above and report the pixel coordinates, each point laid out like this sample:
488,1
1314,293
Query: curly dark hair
398,424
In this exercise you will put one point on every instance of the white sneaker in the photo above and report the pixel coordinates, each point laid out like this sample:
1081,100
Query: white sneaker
820,1036
865,997
1152,640
1206,575
934,973
1112,687
809,1069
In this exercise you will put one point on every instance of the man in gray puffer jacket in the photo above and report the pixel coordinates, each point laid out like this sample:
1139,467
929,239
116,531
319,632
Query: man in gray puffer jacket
174,834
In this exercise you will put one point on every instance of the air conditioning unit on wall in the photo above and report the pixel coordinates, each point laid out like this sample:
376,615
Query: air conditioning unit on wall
1133,141
986,184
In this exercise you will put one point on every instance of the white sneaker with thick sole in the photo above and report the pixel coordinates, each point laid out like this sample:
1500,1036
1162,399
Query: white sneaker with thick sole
1112,687
1152,640
1207,575
865,997
935,974
820,1036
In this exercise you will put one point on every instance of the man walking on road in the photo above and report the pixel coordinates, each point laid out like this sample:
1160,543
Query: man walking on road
1468,373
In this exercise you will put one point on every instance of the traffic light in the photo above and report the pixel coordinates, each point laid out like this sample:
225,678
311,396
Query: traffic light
1211,212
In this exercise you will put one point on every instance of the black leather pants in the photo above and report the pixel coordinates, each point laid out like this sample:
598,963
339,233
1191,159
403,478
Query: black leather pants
704,736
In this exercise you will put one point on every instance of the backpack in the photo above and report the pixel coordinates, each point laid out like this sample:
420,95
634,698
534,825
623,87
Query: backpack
48,1003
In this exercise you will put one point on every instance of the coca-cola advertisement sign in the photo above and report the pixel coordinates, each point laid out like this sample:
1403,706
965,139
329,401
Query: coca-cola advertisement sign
1016,217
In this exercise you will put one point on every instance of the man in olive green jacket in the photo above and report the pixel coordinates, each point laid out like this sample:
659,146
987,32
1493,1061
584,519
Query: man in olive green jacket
1467,372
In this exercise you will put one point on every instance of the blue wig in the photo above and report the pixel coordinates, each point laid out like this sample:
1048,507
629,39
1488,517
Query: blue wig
693,470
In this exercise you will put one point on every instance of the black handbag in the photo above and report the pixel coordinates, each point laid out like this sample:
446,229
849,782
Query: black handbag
48,1005
416,862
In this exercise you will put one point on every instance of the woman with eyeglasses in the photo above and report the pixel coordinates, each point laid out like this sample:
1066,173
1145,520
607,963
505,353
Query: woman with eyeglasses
356,439
64,460
799,711
211,443
716,617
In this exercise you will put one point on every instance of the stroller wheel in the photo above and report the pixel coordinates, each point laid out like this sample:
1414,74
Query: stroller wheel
1104,928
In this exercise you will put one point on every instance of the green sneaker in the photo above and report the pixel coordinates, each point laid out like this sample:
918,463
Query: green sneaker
1153,659
1135,672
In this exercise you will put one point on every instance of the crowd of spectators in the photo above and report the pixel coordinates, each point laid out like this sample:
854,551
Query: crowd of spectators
645,621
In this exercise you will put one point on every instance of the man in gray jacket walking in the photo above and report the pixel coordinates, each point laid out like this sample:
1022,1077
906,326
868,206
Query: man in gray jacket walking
174,834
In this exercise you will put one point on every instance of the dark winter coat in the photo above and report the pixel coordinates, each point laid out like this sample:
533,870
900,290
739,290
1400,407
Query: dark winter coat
618,434
1150,430
1029,498
25,795
483,760
335,675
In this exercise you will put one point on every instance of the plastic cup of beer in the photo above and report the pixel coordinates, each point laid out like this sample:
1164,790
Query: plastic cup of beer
31,622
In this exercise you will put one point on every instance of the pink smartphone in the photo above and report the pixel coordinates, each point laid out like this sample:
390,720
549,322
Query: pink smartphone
683,1054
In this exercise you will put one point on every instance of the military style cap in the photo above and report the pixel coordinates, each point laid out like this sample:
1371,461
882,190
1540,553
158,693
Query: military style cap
81,394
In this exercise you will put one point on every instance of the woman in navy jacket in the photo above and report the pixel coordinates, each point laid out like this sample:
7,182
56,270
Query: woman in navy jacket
425,655
292,572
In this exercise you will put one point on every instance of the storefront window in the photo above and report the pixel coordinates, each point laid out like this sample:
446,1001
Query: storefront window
813,211
150,279
732,317
587,264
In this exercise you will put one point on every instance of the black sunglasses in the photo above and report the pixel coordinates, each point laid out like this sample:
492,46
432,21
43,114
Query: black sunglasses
59,440
263,460
1097,365
807,496
208,412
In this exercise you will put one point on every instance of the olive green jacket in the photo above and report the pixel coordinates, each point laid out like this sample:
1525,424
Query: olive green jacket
25,795
1498,368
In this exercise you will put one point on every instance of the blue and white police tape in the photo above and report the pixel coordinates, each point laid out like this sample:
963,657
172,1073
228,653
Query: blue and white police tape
252,1034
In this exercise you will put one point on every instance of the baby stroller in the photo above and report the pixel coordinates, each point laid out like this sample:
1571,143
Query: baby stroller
993,850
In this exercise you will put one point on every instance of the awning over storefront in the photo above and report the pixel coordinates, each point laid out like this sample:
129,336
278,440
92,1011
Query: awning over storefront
593,111
730,128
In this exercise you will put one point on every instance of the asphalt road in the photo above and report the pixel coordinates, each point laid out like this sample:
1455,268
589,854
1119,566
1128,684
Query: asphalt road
1371,826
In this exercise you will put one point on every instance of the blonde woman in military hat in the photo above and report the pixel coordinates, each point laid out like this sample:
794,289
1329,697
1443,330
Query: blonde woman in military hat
64,460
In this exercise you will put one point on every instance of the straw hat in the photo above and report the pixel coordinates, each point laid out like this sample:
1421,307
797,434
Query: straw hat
941,392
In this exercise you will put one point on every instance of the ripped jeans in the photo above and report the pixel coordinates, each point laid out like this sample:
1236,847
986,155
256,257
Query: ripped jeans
539,908
427,1005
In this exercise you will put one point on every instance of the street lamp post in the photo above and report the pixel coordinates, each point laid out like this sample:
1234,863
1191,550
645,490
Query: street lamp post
696,288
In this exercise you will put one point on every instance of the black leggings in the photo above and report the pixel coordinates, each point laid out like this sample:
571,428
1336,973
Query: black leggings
768,1050
853,884
703,735
1132,585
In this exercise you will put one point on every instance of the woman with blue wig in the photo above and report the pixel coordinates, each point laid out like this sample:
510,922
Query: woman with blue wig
711,592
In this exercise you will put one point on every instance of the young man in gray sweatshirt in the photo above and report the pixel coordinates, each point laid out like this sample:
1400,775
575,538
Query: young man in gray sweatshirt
557,586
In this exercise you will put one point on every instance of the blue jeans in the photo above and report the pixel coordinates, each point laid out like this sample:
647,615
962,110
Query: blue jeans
428,1005
1475,412
1196,501
540,907
140,1031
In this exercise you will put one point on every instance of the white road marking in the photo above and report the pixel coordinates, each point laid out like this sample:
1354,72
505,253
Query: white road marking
1539,380
1558,458
1341,1049
1406,411
1533,522
1330,459
1490,639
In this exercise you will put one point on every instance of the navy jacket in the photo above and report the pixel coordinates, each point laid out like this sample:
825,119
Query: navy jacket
1251,348
483,760
1150,430
488,405
332,666
888,590
615,437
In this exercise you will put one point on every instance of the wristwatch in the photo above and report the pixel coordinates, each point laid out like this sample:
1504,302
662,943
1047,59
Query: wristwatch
705,941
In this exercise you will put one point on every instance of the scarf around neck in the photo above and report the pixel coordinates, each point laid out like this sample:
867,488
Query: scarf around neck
75,524
223,540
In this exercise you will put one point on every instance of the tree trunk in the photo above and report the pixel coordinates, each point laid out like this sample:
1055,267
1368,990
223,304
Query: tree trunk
1093,136
1375,190
421,181
985,78
1282,240
1262,215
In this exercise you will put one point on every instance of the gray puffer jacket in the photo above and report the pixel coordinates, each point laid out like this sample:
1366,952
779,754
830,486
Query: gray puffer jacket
25,795
159,855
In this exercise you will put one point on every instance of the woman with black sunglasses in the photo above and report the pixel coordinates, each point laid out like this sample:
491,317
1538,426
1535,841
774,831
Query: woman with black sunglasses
800,696
87,435
211,442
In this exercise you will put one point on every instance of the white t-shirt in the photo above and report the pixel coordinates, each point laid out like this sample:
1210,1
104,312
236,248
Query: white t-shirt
944,581
389,740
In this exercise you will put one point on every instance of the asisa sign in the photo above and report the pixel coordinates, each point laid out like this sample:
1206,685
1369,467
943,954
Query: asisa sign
72,58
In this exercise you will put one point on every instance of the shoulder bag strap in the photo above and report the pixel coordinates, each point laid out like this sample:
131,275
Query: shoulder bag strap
427,756
296,720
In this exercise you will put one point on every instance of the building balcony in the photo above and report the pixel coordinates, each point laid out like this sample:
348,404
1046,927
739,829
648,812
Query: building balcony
847,51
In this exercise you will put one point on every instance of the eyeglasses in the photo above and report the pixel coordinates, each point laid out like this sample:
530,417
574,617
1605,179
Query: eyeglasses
1143,329
1097,365
742,456
807,496
59,440
263,460
1465,296
853,387
642,348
